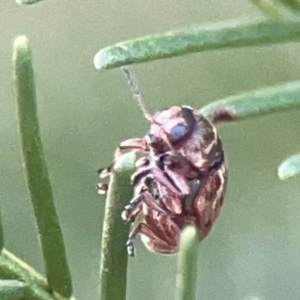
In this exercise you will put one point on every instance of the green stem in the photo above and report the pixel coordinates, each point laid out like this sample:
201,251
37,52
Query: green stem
186,278
113,269
57,269
230,34
254,103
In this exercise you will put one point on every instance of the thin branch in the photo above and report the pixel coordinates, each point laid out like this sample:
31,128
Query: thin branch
57,269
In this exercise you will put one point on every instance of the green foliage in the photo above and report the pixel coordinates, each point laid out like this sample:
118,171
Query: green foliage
17,279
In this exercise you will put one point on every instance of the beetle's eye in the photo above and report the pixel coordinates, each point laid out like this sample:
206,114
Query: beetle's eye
177,132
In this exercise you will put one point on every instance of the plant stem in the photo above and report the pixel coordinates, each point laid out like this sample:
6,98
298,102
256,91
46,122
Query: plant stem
57,269
254,103
113,269
230,34
187,265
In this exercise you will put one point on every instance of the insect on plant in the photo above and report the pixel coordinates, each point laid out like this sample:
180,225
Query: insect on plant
180,177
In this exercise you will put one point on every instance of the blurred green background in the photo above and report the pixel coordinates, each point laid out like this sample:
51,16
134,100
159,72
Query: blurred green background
254,249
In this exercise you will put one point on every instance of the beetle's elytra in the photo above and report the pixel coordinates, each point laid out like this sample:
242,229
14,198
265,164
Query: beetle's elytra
180,180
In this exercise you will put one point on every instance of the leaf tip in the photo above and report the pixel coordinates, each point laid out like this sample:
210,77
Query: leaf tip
100,60
26,2
289,168
21,42
281,174
126,162
21,51
189,238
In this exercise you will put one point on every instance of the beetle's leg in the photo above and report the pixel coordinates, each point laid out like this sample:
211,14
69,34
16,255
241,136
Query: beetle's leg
142,162
158,234
178,180
166,233
176,162
135,206
132,236
135,144
159,175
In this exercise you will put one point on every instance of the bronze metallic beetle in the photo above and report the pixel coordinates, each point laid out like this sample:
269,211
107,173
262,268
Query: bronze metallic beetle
180,179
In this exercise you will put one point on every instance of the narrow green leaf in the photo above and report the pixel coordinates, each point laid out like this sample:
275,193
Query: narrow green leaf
113,268
27,2
186,277
1,233
35,286
12,290
268,7
294,5
290,167
230,34
57,270
254,103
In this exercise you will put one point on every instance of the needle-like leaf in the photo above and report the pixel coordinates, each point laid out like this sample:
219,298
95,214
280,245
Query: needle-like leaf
187,265
57,269
254,103
27,2
113,269
229,34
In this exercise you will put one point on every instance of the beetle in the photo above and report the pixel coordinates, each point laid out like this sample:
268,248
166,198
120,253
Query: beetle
180,179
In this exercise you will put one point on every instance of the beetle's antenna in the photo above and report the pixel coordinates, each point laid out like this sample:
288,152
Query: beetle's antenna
137,94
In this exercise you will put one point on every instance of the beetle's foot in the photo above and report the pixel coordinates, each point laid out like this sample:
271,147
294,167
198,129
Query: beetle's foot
130,248
127,213
105,172
102,188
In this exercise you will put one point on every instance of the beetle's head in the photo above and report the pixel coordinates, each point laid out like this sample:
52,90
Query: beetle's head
170,128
